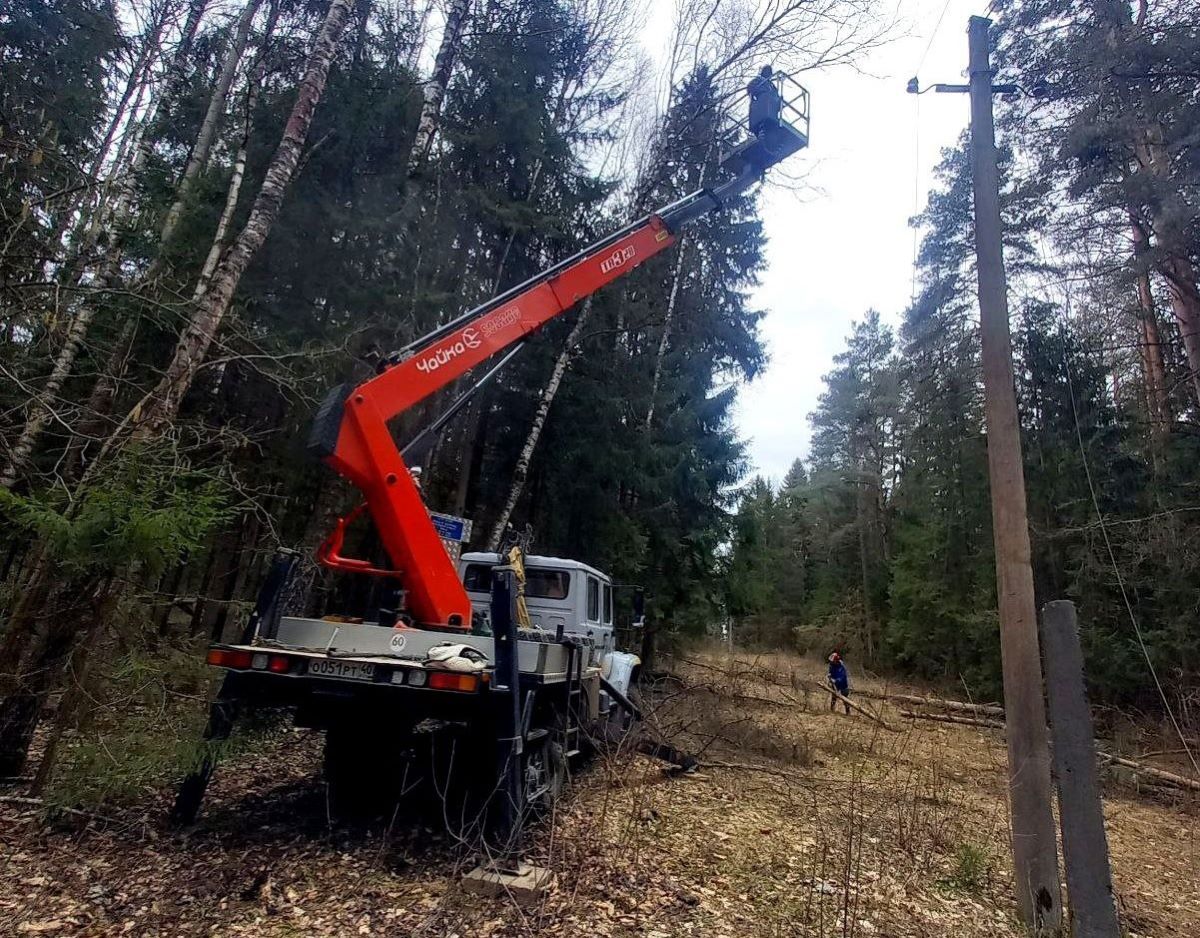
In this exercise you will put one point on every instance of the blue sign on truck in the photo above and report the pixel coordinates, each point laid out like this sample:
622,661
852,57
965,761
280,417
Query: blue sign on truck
450,527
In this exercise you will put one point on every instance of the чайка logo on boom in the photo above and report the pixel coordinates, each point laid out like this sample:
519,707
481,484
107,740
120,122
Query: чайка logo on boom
467,339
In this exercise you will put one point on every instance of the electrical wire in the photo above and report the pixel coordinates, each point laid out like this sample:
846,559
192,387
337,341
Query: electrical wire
917,144
932,36
1101,521
1112,557
916,195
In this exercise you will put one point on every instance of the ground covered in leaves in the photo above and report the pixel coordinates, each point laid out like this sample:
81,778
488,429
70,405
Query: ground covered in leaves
800,822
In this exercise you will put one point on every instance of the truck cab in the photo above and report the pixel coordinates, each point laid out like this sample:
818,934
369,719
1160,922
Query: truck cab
566,598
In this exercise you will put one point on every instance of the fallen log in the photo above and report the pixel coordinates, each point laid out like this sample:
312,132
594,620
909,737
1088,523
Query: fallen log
1160,775
953,718
939,702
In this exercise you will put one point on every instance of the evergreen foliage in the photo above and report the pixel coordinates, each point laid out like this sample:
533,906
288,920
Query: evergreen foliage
904,577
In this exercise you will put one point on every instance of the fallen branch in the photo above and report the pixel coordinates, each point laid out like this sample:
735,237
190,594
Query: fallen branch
952,718
752,767
939,702
56,808
863,710
732,695
1169,778
754,698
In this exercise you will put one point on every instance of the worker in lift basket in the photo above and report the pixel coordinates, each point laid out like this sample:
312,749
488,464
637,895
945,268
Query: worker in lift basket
765,102
839,680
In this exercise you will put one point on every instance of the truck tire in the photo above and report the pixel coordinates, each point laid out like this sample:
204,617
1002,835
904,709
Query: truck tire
545,775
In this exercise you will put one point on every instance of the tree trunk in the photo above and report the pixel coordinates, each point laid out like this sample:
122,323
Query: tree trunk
1153,373
49,631
521,472
79,668
466,460
866,543
40,412
665,340
435,88
212,119
103,395
1146,139
86,225
160,407
41,408
231,202
1185,304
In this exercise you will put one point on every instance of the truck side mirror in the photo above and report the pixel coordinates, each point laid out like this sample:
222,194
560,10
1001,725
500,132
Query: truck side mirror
639,608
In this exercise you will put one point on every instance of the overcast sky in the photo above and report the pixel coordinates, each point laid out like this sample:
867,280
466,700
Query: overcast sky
846,246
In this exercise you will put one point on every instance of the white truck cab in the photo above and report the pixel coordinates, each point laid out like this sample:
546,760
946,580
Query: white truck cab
564,597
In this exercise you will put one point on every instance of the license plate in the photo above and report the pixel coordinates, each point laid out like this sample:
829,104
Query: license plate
345,670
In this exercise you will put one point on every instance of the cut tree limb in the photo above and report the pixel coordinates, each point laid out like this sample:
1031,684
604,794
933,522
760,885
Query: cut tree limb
952,718
860,709
939,702
1160,775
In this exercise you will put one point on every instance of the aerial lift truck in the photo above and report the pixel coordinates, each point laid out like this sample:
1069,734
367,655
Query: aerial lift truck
514,653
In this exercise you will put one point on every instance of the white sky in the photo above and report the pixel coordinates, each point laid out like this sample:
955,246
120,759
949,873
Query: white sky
837,251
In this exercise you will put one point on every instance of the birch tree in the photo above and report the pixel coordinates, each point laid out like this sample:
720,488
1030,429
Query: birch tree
159,408
207,135
521,470
435,88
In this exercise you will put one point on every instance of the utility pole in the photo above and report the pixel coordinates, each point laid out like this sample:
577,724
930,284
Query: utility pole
1085,846
1035,851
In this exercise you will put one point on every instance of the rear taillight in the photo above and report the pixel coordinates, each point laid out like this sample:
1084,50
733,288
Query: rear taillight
279,664
452,680
229,658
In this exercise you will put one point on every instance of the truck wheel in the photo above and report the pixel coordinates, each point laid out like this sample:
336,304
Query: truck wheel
545,775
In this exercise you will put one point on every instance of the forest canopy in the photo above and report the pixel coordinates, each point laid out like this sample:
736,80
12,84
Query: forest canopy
216,210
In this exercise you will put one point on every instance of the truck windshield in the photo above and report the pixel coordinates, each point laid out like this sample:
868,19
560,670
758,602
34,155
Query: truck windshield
539,584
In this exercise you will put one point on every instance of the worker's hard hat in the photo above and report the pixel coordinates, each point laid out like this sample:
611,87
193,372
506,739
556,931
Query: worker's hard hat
835,657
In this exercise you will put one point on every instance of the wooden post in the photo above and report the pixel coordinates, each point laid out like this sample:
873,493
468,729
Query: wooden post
1085,847
1035,851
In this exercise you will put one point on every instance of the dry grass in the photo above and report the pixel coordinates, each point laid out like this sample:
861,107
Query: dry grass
802,822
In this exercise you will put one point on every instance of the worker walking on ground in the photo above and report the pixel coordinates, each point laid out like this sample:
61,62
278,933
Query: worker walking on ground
839,680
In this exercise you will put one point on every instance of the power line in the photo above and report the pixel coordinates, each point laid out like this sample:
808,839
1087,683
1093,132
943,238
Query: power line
932,36
916,193
1112,554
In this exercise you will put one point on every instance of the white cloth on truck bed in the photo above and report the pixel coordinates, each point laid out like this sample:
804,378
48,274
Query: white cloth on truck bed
453,656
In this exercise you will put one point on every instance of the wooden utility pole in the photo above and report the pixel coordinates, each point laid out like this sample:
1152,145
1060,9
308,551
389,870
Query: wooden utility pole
1035,851
1085,846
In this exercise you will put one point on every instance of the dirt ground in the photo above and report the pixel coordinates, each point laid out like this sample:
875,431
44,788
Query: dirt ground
801,821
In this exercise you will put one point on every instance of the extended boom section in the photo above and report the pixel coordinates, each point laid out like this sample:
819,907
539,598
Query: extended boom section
351,430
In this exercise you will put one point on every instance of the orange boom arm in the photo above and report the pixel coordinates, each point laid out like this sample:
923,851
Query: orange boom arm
363,449
351,432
